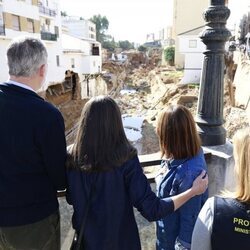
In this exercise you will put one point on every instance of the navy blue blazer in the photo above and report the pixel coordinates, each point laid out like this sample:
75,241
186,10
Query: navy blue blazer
32,156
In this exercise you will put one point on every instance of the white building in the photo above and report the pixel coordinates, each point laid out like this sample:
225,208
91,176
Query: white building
84,58
82,54
80,27
77,50
79,41
192,47
35,18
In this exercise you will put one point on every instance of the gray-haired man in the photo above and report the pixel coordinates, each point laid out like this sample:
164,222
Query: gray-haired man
32,153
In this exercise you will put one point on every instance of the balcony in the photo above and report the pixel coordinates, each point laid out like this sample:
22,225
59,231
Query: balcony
46,11
48,36
2,30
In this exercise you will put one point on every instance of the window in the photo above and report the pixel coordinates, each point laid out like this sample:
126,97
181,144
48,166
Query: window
95,50
15,22
47,22
57,31
192,43
57,61
72,63
31,28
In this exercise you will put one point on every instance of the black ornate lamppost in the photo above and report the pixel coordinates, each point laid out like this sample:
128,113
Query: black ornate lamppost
209,116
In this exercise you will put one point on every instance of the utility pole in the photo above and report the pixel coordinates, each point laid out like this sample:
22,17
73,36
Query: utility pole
209,116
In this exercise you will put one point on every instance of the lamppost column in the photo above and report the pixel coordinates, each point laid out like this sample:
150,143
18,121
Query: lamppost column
209,116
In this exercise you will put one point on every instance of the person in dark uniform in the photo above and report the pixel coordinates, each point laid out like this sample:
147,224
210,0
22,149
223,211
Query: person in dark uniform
224,222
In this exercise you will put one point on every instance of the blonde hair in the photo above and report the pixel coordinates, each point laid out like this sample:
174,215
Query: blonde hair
241,142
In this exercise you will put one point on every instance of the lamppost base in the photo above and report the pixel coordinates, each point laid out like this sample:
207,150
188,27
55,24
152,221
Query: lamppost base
211,135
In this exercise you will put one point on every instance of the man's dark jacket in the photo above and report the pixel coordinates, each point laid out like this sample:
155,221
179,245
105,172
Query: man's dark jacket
32,156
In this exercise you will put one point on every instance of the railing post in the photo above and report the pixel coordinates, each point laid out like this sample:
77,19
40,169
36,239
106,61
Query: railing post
209,116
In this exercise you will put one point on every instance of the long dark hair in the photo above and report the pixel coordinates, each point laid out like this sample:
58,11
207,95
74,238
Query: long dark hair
101,143
177,133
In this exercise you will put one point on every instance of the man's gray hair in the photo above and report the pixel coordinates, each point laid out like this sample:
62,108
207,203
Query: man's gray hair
25,56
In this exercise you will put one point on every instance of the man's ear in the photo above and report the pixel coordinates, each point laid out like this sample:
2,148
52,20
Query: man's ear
42,70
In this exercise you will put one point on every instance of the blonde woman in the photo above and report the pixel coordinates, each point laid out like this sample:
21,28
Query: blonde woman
224,222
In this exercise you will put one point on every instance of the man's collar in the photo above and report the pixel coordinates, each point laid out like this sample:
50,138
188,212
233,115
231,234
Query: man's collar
20,85
23,90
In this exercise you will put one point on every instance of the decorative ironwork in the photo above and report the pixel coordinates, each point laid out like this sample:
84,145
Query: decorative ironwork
209,116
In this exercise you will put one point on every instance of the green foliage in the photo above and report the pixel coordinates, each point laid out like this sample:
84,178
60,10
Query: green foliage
169,54
109,43
102,25
125,45
142,48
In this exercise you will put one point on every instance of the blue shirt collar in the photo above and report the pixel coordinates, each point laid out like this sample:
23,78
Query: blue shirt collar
19,84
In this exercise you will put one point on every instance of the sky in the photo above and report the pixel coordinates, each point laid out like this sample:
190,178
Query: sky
237,8
133,19
128,19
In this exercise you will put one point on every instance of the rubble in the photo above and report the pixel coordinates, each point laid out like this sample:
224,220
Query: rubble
143,90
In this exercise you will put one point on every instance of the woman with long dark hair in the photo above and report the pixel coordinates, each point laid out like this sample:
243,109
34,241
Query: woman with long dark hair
105,182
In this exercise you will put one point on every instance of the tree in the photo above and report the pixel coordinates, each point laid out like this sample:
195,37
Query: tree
125,45
142,48
169,55
102,25
109,43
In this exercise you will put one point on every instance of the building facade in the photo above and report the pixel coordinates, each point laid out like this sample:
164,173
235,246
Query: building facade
40,19
80,27
191,46
83,54
72,48
187,15
84,57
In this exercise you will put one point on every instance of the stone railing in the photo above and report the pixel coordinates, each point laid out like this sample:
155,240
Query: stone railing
150,161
